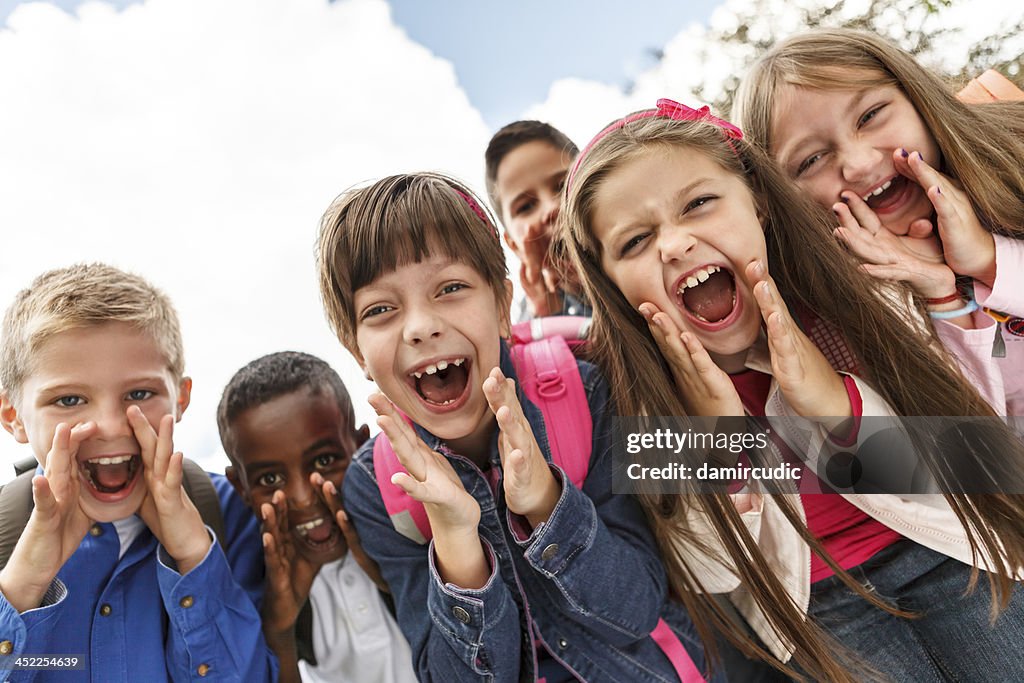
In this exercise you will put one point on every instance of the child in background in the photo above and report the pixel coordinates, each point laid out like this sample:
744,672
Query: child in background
527,577
674,222
926,188
287,425
526,165
115,564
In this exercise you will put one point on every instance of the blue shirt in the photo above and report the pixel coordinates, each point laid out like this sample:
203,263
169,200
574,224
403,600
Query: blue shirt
135,618
588,583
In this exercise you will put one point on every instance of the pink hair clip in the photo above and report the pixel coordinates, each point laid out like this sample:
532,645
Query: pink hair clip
476,208
669,109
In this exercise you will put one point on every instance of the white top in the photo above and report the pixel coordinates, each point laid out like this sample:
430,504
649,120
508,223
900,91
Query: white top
128,529
355,638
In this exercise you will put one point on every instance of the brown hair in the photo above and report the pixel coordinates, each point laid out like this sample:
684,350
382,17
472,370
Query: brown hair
395,221
982,146
78,296
915,378
515,135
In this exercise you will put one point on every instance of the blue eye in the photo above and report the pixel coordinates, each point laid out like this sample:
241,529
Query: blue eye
139,394
452,288
376,310
70,401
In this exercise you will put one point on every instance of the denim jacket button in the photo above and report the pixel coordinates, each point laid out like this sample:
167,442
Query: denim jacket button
549,552
461,614
562,643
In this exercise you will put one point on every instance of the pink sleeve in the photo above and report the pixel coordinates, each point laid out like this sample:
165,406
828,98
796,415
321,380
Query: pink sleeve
1007,292
972,351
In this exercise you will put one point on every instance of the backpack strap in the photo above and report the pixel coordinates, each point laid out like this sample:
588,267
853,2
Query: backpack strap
204,496
408,515
550,378
673,648
15,509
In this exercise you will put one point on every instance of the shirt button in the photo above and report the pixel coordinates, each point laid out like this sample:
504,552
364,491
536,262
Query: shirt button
187,601
549,552
461,614
203,669
96,530
6,647
562,643
105,610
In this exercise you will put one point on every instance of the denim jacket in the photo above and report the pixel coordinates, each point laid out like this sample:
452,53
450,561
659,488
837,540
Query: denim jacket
588,583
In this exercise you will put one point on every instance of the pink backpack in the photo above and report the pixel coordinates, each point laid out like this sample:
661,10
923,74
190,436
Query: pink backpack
544,361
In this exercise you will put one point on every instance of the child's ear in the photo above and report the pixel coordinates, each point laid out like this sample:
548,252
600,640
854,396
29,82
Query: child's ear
361,435
10,419
232,475
506,311
184,397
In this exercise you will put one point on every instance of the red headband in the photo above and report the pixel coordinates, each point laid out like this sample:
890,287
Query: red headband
476,208
669,109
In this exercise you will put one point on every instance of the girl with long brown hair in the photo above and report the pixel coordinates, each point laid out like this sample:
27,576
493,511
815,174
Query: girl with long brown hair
673,223
926,188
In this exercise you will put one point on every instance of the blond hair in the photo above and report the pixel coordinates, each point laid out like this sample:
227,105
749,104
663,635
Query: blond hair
79,296
398,220
982,146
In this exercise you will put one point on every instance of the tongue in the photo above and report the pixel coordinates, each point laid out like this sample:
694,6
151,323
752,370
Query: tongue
713,298
443,385
110,476
320,533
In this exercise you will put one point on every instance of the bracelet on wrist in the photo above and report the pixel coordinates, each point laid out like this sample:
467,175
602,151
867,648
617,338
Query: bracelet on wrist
970,307
937,301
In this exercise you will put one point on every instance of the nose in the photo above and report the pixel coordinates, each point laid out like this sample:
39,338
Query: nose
421,325
674,242
112,421
300,492
860,163
550,208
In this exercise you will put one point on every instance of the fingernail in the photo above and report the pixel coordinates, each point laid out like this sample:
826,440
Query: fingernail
333,488
938,190
919,156
835,212
759,268
844,199
904,153
343,514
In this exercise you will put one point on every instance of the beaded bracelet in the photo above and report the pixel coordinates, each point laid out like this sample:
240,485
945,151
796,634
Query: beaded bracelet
971,307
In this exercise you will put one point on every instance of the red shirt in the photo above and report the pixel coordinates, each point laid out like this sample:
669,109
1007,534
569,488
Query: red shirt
849,535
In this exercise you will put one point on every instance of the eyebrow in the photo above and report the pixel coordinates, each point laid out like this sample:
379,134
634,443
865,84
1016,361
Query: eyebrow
688,189
784,155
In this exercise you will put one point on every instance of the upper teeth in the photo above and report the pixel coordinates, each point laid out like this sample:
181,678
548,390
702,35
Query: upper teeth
878,190
305,527
113,460
440,365
697,277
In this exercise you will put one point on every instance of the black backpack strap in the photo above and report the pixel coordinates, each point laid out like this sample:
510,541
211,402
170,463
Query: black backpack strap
204,496
25,465
15,509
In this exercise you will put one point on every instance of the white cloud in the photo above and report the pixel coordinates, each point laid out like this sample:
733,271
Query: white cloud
197,142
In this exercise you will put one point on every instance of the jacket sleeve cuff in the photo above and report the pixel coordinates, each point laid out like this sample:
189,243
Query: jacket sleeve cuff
1004,295
856,407
568,531
465,614
192,601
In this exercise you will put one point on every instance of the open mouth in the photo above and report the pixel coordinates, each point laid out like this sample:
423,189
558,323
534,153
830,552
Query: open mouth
708,295
443,383
888,194
111,475
320,534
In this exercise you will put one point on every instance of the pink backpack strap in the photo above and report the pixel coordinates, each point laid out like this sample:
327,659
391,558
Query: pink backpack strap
572,328
670,644
408,515
550,378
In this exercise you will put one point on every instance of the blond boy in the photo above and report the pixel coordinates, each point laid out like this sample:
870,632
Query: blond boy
115,567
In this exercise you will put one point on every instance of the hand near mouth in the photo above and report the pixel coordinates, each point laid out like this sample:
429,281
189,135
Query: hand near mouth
56,526
704,388
969,249
454,515
530,488
807,381
289,579
167,510
329,494
901,258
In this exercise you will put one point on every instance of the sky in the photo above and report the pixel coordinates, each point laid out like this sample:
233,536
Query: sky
198,142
